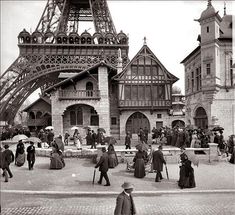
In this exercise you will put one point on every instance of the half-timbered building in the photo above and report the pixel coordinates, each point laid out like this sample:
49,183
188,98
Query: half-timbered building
118,99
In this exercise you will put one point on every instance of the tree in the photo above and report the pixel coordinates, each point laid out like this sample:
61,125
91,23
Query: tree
176,90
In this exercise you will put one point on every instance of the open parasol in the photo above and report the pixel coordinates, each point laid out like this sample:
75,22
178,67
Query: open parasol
142,147
49,127
101,130
19,137
33,139
110,140
74,128
217,128
87,127
59,143
192,157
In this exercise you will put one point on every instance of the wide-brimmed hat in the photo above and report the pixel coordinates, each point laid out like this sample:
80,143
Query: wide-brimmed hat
127,185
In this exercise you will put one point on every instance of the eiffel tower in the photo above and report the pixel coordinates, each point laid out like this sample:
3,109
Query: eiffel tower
56,46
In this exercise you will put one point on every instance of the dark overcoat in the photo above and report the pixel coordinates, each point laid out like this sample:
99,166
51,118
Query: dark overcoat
124,204
158,160
103,163
30,153
8,156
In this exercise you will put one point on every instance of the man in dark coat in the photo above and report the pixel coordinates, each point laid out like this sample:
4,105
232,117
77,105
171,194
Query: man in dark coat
93,139
142,135
146,132
128,140
31,155
8,158
2,165
158,161
124,203
104,167
89,138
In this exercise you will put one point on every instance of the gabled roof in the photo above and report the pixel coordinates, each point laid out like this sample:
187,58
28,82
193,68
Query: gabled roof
43,98
191,54
101,63
145,51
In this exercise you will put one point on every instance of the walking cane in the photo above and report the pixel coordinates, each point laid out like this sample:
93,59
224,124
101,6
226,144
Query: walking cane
166,172
94,177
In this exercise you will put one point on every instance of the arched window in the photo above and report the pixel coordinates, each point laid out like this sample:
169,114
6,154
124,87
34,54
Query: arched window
79,116
31,115
72,118
94,120
38,115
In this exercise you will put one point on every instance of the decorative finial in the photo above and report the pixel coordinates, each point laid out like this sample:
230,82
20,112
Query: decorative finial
209,3
145,43
119,56
224,8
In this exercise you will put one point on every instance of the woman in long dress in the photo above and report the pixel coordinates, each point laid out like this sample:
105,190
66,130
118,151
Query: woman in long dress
20,154
57,160
195,140
186,179
139,165
77,139
112,156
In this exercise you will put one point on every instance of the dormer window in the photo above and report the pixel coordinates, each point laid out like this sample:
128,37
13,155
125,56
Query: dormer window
207,29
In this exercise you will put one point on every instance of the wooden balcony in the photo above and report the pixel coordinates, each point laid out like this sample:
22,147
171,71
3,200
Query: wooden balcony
79,94
37,122
144,103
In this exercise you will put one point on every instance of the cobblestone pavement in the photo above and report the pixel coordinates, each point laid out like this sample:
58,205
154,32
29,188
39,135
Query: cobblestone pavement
198,204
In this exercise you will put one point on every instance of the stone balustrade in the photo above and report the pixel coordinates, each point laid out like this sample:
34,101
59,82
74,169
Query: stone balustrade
171,154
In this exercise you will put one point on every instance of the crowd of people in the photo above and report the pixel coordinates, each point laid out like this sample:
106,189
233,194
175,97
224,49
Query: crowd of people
9,133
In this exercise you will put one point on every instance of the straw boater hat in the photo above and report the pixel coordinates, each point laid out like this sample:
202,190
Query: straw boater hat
127,185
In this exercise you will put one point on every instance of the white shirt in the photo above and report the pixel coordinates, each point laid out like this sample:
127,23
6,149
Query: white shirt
126,193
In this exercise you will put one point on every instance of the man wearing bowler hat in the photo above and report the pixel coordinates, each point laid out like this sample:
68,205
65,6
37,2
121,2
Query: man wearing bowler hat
124,203
104,167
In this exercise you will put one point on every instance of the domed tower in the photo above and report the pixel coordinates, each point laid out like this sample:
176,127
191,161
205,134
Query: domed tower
210,57
209,75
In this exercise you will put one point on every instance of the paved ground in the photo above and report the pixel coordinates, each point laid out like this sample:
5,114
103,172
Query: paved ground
77,177
197,204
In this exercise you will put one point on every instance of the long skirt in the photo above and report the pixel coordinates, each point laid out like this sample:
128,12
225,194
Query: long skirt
57,161
20,159
113,161
77,143
186,181
139,168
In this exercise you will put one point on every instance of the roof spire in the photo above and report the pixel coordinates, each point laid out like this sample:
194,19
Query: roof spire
145,43
209,3
224,8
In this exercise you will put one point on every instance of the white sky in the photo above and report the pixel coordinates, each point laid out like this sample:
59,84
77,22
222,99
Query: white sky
169,27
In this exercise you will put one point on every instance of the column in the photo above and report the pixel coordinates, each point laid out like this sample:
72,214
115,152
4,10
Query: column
57,123
104,104
57,115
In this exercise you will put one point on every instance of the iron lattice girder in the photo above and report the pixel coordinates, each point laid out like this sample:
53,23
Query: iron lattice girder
38,64
45,53
10,107
63,15
31,64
